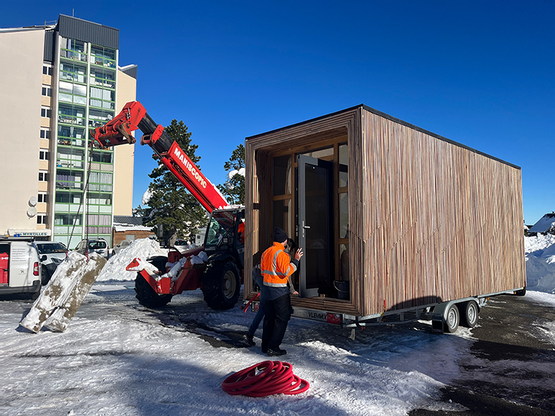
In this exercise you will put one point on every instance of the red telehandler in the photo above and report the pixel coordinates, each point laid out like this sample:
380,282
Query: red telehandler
220,276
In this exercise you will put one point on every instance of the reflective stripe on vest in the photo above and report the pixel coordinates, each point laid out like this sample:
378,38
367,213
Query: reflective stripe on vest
272,277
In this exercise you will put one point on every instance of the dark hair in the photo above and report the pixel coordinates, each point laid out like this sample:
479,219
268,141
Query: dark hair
291,245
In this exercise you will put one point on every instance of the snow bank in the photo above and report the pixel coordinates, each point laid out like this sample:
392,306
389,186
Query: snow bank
540,263
115,268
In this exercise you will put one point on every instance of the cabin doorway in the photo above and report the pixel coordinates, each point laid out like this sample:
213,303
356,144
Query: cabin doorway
315,225
309,194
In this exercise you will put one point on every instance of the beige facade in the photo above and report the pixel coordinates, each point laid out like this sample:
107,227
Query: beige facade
124,155
20,116
61,81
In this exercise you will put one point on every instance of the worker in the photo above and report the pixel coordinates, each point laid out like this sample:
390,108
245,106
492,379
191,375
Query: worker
276,267
257,277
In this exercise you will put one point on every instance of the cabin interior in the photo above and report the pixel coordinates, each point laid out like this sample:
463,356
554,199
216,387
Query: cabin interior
303,187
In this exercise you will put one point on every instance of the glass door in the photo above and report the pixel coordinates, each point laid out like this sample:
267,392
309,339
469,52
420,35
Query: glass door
315,214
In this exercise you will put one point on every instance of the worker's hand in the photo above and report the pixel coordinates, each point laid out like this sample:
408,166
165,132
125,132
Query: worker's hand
299,254
295,293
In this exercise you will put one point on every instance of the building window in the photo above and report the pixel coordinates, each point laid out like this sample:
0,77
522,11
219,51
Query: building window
70,114
45,112
67,219
98,118
72,93
46,91
67,179
44,176
99,199
105,57
102,77
99,224
73,72
103,157
43,198
44,134
47,69
42,219
44,155
102,98
73,49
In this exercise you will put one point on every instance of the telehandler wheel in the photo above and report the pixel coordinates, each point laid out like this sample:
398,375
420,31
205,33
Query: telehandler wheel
221,285
147,296
452,321
469,312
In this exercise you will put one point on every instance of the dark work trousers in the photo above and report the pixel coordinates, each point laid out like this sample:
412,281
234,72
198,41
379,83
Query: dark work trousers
277,315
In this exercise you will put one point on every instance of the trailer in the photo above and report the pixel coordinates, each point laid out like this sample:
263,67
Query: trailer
396,223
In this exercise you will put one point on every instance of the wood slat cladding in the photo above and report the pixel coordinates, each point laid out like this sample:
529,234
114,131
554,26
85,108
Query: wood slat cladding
441,221
430,220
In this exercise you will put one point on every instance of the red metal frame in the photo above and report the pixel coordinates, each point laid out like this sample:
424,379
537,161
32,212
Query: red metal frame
118,131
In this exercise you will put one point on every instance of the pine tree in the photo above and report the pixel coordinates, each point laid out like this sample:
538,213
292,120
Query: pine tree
171,207
234,187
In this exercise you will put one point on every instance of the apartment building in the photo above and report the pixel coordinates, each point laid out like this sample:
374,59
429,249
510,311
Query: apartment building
56,82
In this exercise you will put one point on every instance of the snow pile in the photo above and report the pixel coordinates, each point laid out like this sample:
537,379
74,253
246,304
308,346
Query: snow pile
115,268
540,262
146,196
234,172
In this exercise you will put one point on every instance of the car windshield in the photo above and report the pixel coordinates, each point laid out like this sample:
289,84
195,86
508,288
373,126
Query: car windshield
51,248
97,244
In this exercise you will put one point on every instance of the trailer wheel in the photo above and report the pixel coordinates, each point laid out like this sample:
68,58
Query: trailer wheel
221,285
469,312
147,296
452,321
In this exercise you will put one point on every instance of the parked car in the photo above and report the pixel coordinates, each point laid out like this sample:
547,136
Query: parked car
181,243
20,267
97,245
52,253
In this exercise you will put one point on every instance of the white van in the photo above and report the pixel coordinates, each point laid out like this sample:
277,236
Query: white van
20,268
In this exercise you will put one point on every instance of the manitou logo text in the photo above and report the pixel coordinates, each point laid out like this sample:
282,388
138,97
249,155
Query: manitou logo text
190,167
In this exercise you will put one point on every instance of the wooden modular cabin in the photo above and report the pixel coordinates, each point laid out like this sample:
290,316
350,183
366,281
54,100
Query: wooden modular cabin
390,216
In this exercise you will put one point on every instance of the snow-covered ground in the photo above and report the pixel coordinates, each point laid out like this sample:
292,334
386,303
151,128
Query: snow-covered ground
540,263
118,358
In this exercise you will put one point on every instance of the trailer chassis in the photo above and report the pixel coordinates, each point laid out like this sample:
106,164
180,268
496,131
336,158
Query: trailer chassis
445,316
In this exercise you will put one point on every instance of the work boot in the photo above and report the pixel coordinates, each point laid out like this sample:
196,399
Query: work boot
248,339
276,353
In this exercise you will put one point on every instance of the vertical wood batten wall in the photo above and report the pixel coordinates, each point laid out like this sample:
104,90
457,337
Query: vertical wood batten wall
441,221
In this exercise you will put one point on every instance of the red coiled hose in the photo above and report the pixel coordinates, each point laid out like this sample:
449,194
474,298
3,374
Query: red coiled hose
264,379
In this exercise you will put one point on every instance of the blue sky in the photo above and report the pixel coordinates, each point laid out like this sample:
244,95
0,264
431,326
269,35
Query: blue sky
481,73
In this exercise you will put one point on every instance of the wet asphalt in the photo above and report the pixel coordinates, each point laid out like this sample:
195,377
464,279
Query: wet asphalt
510,369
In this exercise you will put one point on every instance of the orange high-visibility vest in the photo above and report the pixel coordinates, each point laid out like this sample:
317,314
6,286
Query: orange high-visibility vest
276,266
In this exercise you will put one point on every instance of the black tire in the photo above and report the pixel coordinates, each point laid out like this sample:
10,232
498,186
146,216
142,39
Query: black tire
221,285
147,296
34,295
452,319
45,276
469,312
